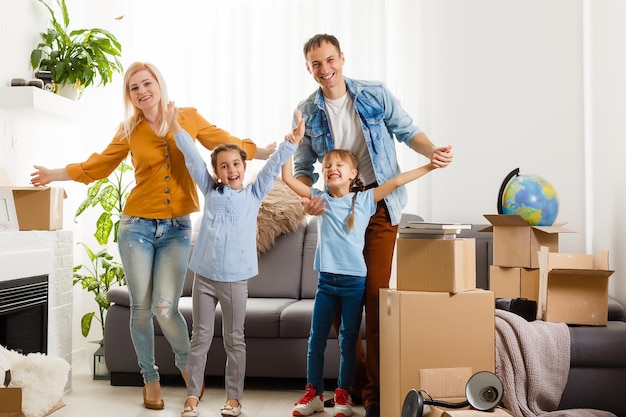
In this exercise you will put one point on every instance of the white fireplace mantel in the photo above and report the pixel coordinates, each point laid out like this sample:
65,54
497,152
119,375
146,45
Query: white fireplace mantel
25,254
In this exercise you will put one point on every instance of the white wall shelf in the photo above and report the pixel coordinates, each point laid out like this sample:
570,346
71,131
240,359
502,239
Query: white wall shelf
32,101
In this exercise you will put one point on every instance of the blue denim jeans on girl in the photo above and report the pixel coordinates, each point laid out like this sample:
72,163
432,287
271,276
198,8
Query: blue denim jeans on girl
155,253
335,292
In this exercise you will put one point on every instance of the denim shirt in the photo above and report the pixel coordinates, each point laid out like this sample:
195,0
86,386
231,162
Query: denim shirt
382,117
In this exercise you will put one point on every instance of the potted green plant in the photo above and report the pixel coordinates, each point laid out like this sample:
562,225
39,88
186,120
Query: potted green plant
103,271
76,58
97,278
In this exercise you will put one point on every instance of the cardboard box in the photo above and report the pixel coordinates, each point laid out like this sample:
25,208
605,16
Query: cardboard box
38,208
510,282
11,402
447,265
445,384
573,288
424,330
516,243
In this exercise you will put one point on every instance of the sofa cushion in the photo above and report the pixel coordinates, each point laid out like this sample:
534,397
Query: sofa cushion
263,316
295,321
188,285
309,275
280,268
598,346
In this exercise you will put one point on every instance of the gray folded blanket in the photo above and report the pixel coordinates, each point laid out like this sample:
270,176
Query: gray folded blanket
532,361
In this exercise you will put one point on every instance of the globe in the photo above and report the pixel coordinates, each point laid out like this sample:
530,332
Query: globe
531,197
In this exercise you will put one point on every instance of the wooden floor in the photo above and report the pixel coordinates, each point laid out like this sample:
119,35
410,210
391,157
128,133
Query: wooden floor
262,398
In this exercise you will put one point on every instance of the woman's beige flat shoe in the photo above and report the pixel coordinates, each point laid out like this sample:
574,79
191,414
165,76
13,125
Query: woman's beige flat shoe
152,404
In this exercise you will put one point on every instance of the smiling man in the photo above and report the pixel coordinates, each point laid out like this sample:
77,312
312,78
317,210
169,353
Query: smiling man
362,117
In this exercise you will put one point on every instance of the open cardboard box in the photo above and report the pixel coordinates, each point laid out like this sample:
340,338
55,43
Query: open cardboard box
11,402
37,208
573,288
515,242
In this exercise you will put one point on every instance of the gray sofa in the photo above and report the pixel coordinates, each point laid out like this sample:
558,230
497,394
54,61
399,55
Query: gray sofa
597,375
277,322
279,315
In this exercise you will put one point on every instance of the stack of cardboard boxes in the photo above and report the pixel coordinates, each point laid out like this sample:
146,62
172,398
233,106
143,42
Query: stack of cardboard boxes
436,328
515,269
568,288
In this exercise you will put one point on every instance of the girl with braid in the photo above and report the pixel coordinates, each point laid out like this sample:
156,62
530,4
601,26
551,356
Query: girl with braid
342,271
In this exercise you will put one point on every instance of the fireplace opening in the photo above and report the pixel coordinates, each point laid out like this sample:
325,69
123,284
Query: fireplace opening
24,314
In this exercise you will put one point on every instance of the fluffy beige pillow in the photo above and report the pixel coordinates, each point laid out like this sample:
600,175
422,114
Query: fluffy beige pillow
281,212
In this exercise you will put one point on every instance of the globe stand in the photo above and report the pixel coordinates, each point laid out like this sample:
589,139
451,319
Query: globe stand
511,174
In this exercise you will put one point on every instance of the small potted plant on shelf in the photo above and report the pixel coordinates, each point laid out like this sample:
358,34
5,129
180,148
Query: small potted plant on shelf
76,58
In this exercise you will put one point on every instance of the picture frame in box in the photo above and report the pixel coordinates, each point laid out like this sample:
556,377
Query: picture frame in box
8,213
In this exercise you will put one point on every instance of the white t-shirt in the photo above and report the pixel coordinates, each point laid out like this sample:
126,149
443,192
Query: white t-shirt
348,134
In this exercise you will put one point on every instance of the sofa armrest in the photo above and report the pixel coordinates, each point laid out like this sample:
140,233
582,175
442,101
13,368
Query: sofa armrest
119,295
616,310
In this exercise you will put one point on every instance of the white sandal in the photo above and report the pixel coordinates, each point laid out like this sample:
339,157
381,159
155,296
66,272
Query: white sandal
229,410
190,410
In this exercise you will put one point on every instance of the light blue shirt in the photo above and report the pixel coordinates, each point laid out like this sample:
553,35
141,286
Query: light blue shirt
382,117
339,250
225,249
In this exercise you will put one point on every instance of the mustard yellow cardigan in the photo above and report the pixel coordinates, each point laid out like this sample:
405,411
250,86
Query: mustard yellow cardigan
163,187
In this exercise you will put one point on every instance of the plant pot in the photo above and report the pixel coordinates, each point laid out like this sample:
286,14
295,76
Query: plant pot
68,91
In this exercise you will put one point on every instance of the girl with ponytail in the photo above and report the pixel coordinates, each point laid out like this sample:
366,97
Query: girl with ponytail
342,270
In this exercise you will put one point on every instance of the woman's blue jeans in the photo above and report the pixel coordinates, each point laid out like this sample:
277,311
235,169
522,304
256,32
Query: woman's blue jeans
155,254
335,293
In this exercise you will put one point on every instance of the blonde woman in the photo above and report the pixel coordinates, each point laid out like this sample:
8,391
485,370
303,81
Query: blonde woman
155,230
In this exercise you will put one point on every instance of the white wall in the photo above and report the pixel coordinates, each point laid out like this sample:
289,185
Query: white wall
504,88
607,148
508,86
503,81
28,138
